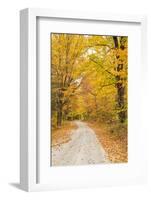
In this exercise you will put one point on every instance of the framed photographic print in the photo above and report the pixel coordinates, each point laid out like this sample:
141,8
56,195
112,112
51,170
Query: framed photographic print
81,80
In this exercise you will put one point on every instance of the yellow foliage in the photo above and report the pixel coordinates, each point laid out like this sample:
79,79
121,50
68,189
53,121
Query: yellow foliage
86,75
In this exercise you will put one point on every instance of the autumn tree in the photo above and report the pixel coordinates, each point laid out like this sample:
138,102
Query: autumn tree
120,44
88,77
66,57
111,57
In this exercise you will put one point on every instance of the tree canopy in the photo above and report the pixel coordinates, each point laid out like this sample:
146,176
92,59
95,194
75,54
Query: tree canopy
88,77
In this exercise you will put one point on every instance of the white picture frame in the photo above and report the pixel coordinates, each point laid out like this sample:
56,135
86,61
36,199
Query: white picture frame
29,149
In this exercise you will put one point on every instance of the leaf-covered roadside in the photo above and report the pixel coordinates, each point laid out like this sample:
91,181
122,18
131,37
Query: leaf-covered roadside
114,140
60,136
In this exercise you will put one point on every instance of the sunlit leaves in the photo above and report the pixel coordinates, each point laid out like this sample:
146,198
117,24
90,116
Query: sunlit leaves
85,73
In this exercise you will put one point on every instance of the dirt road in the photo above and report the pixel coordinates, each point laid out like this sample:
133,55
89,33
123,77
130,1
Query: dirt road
83,148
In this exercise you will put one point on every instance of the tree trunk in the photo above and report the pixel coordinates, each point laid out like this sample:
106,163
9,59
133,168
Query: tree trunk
119,85
59,117
120,100
59,108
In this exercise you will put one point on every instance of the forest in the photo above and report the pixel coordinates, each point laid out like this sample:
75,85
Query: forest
89,80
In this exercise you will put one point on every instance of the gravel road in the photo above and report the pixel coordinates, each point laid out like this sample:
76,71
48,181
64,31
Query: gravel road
83,148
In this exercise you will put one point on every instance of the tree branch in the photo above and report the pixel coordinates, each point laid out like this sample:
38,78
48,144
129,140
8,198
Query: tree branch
101,67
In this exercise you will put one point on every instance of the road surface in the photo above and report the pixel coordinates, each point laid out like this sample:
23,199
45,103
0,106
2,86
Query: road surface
83,148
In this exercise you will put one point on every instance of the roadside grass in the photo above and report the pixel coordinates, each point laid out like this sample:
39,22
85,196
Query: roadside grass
62,135
114,139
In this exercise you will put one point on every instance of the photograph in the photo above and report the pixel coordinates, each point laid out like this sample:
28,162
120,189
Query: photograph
88,99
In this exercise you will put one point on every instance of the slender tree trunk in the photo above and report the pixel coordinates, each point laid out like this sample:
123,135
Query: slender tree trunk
96,106
59,117
59,107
